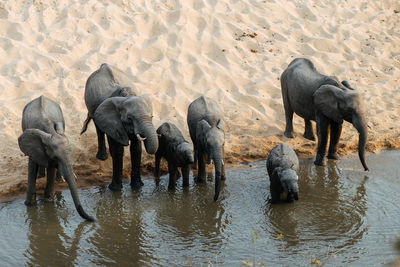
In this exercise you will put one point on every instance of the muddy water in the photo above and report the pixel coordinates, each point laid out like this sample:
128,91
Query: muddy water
344,217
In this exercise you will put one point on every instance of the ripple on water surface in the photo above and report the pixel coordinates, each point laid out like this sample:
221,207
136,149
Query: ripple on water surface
344,216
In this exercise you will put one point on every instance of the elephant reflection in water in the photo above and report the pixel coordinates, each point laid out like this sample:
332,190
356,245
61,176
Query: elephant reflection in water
331,211
119,235
49,244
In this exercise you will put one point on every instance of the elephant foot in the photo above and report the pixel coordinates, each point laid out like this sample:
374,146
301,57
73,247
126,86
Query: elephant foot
136,184
333,156
199,179
288,134
309,136
30,203
115,187
171,186
101,155
319,161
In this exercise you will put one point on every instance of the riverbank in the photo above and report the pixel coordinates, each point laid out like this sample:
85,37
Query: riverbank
175,51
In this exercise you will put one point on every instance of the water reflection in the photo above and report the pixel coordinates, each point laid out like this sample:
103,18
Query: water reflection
48,243
119,235
332,210
342,212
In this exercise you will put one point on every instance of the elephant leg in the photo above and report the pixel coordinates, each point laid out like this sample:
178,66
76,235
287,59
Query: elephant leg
185,175
157,168
274,195
322,130
288,115
201,171
101,145
308,131
336,130
172,170
31,189
194,166
117,154
49,190
136,158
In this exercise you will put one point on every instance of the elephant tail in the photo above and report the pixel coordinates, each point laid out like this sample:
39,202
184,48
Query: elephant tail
85,124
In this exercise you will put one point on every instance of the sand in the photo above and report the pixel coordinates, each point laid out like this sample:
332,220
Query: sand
232,51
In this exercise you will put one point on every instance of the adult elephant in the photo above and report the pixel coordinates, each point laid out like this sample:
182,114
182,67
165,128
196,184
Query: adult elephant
123,117
206,128
44,141
325,100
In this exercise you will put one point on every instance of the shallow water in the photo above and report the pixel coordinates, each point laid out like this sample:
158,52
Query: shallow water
344,216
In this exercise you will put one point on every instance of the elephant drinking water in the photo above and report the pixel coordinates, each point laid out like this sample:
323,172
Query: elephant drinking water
314,96
206,128
123,117
43,140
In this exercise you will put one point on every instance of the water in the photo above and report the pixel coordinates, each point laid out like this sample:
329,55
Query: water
345,216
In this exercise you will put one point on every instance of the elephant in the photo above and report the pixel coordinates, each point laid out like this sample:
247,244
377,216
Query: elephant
123,117
206,128
176,150
325,100
44,141
282,166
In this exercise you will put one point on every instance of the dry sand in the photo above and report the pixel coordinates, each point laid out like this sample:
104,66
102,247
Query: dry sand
232,51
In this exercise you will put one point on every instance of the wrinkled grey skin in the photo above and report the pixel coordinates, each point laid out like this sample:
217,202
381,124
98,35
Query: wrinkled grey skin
282,165
325,100
123,117
176,150
43,140
206,128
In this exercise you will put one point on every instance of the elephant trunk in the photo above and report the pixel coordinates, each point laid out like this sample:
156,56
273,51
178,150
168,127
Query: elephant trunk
217,158
67,172
148,131
360,124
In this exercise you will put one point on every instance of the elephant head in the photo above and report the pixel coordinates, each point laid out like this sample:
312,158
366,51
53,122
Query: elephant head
342,104
214,140
43,148
124,118
288,179
184,153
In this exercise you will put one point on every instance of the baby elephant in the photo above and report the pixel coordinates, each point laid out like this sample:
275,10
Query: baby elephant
176,150
44,141
282,164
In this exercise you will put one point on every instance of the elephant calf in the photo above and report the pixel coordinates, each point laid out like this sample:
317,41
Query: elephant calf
176,150
282,164
43,140
123,117
314,96
206,128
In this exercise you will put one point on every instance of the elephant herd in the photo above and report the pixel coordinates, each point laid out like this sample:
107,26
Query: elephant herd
126,119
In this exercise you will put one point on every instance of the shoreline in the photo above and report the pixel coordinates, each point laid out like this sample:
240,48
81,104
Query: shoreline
100,177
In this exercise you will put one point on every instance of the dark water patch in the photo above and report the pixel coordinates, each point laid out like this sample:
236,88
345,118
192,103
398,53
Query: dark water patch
344,216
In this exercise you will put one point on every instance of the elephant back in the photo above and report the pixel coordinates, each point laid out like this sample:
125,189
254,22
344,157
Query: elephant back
106,82
282,156
169,131
44,114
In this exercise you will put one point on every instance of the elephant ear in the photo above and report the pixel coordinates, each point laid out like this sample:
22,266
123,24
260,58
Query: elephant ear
202,127
31,142
107,117
327,99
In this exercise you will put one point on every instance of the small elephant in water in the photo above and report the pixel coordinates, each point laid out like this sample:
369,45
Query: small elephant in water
44,141
206,128
314,96
176,150
123,117
282,165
